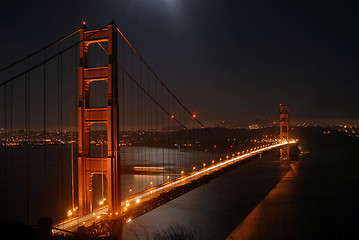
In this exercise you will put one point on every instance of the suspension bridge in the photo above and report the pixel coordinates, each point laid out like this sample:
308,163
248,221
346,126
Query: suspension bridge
93,138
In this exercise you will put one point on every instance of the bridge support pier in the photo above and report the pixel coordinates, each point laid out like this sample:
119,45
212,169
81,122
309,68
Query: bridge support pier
116,230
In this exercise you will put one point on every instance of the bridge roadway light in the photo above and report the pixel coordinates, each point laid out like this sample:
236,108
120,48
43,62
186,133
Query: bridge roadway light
74,210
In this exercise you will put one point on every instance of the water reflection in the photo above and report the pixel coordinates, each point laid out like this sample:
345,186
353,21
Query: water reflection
214,210
48,189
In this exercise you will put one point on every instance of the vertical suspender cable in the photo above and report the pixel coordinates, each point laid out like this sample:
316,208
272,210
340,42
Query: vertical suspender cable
150,128
58,128
138,125
72,131
45,116
124,162
76,82
44,130
11,126
5,145
59,114
140,115
163,139
123,115
61,133
156,124
180,130
27,146
147,157
132,111
168,133
102,157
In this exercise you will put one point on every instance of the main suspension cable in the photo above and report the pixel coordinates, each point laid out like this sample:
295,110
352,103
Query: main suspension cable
149,95
165,86
50,58
40,50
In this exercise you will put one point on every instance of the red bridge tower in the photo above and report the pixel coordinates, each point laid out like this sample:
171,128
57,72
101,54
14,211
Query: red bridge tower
88,166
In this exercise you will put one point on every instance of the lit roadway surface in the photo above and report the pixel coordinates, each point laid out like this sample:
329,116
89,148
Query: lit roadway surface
71,224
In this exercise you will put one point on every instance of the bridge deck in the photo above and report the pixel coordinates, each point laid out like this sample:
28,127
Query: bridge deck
129,203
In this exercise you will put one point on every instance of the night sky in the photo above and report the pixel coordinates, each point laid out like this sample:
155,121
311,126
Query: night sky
218,56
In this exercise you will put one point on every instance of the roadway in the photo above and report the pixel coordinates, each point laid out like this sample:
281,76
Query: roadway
73,223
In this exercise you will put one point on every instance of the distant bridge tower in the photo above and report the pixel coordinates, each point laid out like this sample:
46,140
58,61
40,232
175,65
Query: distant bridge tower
88,166
284,131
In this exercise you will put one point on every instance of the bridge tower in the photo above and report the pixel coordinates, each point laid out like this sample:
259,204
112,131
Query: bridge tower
284,131
88,165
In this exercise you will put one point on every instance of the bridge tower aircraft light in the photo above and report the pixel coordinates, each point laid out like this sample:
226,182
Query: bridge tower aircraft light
284,132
